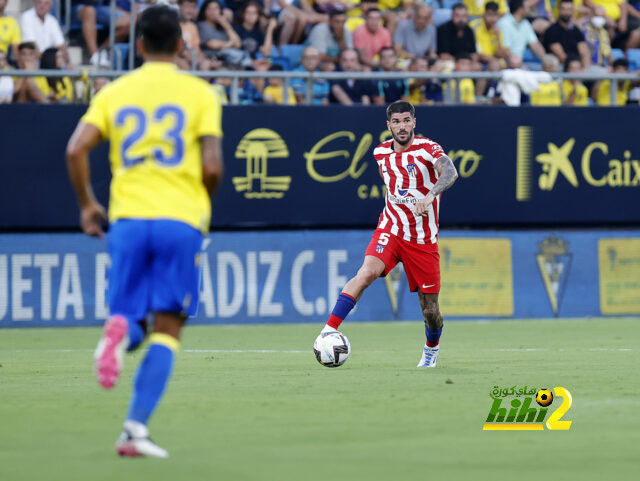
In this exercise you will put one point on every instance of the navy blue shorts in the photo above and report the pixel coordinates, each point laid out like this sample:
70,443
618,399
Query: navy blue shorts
155,267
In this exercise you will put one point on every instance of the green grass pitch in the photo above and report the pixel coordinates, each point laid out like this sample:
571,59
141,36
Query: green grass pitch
234,413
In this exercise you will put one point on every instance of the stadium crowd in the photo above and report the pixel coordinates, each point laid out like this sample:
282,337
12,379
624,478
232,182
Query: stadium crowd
529,39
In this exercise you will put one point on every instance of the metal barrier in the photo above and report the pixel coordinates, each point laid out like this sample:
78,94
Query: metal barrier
311,77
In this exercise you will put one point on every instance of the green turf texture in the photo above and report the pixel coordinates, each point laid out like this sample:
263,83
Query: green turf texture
282,416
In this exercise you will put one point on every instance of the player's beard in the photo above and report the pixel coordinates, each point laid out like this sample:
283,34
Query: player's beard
403,142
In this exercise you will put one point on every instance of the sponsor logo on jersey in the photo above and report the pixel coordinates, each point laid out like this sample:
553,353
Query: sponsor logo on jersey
403,197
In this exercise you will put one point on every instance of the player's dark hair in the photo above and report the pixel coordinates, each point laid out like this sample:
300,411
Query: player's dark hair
336,11
160,29
276,68
400,107
514,5
463,56
621,62
571,58
26,46
374,9
492,7
203,9
566,1
458,6
180,2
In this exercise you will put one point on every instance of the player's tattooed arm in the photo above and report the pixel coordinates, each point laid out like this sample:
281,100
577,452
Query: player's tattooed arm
448,175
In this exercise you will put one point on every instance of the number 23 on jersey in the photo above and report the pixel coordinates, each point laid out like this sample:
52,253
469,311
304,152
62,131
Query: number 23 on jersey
142,130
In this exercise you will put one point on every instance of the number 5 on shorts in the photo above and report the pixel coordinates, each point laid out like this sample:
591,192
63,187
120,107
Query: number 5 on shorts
383,239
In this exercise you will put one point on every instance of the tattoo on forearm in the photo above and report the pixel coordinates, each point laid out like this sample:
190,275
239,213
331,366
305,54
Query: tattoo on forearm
448,175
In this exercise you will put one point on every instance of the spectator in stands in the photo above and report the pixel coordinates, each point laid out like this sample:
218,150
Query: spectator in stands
331,38
597,39
394,12
614,12
517,31
476,8
574,91
489,43
350,91
274,92
57,89
91,14
548,94
370,38
42,28
248,29
310,61
388,91
288,16
26,88
192,51
9,31
417,86
6,82
456,37
464,63
250,92
219,41
619,15
416,37
564,39
601,92
542,16
99,83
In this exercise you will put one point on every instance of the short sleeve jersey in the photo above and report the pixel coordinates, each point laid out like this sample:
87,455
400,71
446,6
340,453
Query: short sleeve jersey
409,176
154,118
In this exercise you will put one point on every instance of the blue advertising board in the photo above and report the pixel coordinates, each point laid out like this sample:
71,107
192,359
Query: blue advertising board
313,166
274,277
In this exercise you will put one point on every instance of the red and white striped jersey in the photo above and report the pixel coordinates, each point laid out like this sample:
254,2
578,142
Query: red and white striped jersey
409,176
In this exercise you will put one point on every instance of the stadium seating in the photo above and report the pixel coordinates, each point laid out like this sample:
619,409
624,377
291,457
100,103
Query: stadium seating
530,60
633,55
617,53
121,59
292,53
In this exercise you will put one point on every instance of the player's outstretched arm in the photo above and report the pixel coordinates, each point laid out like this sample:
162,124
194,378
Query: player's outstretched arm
212,163
84,140
447,175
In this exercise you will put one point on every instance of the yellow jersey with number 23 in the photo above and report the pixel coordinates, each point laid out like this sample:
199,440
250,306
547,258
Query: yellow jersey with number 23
154,118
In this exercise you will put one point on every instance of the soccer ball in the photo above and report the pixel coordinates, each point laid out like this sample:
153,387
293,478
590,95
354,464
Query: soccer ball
332,349
544,397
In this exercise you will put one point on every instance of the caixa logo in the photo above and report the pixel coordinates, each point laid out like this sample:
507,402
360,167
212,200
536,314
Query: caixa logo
526,409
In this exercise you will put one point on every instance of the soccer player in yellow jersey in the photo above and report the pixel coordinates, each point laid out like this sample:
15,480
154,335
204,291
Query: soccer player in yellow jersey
165,129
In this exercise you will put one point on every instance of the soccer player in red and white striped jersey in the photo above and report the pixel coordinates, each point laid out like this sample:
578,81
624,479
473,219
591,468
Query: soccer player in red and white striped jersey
415,171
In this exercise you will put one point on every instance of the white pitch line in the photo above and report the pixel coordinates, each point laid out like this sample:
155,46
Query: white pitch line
285,351
259,351
220,351
544,349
